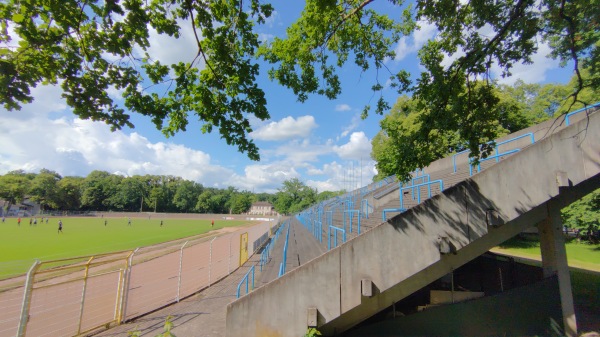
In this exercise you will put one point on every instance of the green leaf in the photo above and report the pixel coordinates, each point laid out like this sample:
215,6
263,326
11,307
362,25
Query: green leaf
18,17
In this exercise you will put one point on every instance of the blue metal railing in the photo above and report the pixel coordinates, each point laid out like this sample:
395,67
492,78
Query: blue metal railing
284,257
264,255
389,210
335,231
318,229
529,134
428,184
365,208
350,216
246,278
424,179
567,121
329,216
497,156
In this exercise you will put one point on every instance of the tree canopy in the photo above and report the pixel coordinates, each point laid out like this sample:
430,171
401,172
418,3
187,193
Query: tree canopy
584,215
93,47
403,144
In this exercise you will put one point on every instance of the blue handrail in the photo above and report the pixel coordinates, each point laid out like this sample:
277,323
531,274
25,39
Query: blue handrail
580,110
388,210
264,256
246,278
318,228
366,208
284,257
335,230
428,184
497,156
351,213
425,179
529,134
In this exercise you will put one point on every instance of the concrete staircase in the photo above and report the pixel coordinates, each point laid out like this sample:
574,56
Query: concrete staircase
390,260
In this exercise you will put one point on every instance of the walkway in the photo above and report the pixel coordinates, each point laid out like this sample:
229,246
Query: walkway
203,314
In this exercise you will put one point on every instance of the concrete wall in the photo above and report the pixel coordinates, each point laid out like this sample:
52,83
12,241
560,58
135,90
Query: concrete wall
495,316
403,255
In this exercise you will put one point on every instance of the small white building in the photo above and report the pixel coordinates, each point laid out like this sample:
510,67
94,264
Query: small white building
262,208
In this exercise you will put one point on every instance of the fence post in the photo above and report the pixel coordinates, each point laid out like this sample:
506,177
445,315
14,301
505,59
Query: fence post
229,260
210,262
85,278
27,298
180,267
126,286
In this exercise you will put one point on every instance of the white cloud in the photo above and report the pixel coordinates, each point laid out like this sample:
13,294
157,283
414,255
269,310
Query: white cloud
169,50
530,73
263,37
31,140
270,21
301,152
535,72
403,49
358,147
14,37
342,107
349,176
406,46
354,123
287,128
426,32
265,177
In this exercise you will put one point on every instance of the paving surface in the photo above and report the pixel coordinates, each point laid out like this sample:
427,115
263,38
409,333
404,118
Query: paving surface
203,314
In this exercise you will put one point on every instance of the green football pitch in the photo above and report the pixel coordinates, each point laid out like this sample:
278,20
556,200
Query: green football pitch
21,245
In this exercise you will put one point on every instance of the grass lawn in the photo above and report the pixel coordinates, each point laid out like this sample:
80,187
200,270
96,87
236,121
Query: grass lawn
20,246
580,255
585,274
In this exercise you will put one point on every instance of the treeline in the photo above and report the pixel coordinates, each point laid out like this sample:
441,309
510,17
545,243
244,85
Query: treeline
103,191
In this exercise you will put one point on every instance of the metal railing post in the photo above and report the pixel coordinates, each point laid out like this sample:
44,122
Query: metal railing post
27,298
210,262
126,286
180,268
82,303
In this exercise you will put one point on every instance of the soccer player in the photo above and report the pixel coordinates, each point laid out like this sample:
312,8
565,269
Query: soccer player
19,221
161,223
60,226
128,221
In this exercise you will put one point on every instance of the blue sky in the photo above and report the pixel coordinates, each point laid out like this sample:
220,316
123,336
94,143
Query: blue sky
322,142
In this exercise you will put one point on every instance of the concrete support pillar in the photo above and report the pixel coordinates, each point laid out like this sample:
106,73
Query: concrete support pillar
554,262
